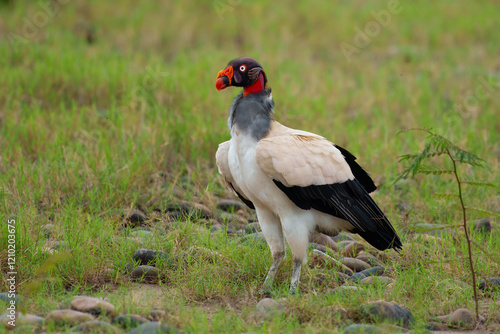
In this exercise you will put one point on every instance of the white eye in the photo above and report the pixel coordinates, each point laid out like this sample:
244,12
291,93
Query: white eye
243,68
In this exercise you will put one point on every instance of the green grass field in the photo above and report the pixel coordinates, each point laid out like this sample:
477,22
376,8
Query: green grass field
111,106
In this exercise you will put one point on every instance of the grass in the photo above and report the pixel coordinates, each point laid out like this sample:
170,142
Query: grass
133,120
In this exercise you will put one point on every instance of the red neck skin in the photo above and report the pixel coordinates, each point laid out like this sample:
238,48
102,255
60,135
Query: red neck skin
256,87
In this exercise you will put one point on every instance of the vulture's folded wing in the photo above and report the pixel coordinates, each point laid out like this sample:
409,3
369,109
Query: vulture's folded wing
223,165
315,174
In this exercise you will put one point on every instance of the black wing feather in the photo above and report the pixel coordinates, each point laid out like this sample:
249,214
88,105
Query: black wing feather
350,201
359,173
243,199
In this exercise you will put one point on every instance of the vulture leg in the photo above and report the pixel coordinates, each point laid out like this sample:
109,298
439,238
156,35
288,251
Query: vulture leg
297,265
296,230
277,258
271,228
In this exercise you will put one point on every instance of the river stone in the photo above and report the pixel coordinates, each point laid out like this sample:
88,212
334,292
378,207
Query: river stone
346,290
461,318
342,237
137,217
490,284
268,306
92,305
147,274
188,209
8,317
70,317
30,319
154,327
323,239
157,314
373,271
353,248
382,280
147,256
48,230
95,327
355,264
383,310
229,205
369,258
482,225
129,321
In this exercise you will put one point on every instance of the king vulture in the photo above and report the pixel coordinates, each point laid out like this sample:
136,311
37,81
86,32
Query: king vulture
297,182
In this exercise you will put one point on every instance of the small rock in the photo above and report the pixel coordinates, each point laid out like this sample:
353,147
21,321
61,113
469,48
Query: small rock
129,321
362,328
353,248
491,284
381,280
373,271
188,209
95,327
323,239
157,315
48,230
229,205
482,225
435,326
70,317
147,256
268,305
369,258
7,319
137,217
148,274
154,328
342,237
346,289
355,264
383,310
357,277
461,318
94,306
340,277
30,320
321,248
253,228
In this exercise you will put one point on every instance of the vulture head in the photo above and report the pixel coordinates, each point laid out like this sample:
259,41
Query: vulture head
243,72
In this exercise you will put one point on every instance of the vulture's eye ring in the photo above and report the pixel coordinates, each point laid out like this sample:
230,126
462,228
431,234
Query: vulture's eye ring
243,68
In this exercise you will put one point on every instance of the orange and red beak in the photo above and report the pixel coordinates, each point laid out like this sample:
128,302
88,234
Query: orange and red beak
224,78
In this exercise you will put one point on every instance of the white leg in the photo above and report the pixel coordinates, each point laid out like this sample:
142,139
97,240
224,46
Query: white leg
297,230
271,228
